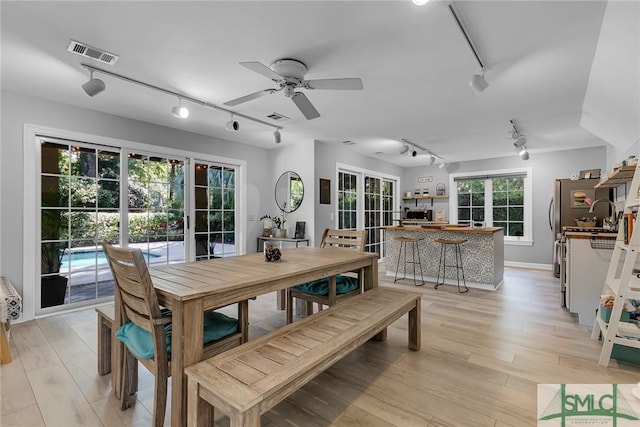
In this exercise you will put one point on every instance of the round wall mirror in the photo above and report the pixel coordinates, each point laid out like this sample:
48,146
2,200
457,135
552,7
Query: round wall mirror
289,191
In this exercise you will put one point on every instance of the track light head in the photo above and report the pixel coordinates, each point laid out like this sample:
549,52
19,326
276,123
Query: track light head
277,138
413,153
520,141
478,83
442,165
524,155
404,149
93,86
179,111
233,125
432,160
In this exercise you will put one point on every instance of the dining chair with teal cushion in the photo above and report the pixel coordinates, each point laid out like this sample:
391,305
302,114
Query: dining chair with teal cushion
329,290
146,329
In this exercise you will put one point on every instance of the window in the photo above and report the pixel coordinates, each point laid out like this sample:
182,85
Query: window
347,201
497,199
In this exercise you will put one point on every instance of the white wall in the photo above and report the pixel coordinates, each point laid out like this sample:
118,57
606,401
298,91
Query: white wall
50,114
296,157
546,168
611,108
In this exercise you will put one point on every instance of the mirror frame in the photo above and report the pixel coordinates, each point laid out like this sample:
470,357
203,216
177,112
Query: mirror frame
282,182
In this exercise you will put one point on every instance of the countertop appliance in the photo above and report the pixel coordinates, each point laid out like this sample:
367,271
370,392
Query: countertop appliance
423,214
570,201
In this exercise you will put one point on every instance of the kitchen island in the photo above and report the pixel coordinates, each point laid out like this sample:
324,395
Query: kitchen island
482,254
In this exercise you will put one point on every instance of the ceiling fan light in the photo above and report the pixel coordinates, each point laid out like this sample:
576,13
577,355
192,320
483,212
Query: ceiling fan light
478,83
93,86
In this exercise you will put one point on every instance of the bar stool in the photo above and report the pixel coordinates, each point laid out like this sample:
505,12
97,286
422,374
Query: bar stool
458,265
403,245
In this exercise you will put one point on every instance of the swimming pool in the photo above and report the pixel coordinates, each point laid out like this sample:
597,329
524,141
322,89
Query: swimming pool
78,259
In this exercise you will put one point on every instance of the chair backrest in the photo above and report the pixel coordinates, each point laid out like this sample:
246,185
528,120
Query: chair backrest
138,299
354,239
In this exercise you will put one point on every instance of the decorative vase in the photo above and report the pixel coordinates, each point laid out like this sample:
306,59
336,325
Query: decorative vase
283,233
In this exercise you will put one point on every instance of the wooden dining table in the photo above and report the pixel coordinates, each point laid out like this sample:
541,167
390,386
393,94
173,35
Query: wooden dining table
192,288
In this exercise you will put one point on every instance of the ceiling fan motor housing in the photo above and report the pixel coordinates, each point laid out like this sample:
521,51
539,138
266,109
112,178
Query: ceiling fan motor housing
290,68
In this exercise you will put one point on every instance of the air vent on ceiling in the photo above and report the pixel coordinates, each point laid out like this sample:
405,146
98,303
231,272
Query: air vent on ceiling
277,117
348,142
92,52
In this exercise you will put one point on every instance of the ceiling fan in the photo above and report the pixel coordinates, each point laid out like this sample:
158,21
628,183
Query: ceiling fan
288,74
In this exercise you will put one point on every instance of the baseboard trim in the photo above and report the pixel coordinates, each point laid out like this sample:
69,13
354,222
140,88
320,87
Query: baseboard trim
531,265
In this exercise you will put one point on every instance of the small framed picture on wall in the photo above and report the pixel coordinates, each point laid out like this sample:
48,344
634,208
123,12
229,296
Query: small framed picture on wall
325,191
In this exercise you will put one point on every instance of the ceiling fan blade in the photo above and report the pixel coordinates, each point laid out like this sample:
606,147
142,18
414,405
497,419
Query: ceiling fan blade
260,68
305,106
335,84
249,97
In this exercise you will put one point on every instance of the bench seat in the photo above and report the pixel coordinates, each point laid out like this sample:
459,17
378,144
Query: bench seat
247,381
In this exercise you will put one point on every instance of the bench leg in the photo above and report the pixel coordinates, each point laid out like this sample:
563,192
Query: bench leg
289,306
414,326
5,351
199,412
250,418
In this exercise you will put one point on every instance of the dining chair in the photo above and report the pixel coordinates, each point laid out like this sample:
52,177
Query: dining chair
329,290
146,329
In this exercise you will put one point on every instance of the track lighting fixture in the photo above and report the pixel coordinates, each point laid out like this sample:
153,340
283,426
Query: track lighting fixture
277,137
404,148
233,125
411,150
519,141
93,86
179,111
477,82
432,160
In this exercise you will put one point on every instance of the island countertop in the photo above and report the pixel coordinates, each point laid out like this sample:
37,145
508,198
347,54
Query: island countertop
457,228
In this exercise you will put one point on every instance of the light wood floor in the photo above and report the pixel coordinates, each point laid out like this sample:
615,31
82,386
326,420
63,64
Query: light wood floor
482,355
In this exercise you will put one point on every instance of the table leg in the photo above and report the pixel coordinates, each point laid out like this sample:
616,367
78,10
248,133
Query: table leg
371,282
5,352
281,299
186,345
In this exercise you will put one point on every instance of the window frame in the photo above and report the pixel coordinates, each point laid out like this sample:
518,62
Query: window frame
527,238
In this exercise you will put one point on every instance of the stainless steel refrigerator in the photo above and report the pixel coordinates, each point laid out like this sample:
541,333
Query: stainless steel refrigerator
570,201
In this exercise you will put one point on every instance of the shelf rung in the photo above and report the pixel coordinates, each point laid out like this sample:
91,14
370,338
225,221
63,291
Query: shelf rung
627,342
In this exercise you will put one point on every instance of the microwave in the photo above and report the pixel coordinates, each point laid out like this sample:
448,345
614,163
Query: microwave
423,214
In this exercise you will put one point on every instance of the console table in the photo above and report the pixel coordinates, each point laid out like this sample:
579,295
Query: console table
262,240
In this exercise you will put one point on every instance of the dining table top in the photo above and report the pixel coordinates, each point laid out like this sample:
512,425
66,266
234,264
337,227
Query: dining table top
250,273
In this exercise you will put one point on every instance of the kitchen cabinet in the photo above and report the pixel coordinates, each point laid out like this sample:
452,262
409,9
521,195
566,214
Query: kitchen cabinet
587,264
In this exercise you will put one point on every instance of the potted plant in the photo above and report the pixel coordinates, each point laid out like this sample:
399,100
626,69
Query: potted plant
53,286
267,225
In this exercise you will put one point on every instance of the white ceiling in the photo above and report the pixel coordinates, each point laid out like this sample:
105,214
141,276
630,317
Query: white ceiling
413,61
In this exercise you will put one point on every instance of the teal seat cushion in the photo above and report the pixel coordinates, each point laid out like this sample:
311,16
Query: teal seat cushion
320,287
140,342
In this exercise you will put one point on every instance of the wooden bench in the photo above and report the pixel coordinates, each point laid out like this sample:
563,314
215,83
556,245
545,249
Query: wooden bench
10,308
248,380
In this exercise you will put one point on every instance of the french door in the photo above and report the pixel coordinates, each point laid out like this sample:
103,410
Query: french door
366,201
